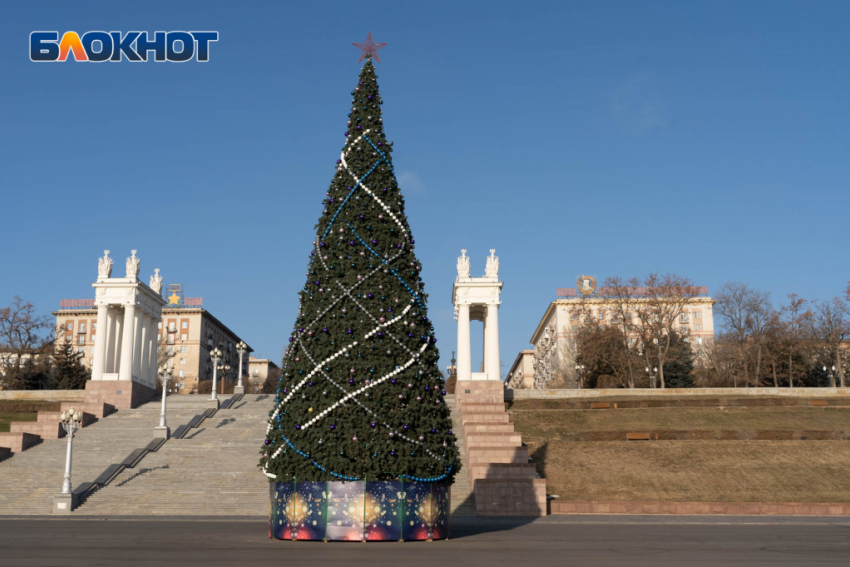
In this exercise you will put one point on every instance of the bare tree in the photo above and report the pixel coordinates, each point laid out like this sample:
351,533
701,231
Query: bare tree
830,325
26,340
748,316
621,298
792,331
663,300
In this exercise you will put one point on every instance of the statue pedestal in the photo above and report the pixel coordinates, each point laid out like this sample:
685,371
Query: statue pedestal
161,433
123,394
238,390
64,503
213,404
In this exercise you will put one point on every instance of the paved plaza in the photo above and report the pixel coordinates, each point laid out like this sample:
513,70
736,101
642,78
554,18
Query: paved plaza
635,541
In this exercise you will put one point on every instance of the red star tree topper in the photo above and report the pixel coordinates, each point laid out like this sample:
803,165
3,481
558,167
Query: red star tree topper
369,49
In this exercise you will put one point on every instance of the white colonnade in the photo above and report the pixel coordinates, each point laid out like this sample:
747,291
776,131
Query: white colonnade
477,299
128,312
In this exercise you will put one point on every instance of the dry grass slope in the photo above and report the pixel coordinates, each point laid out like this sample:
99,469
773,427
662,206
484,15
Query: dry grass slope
715,471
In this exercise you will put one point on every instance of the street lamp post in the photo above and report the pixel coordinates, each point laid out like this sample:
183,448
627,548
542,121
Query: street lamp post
215,356
162,431
64,502
831,376
652,376
580,368
241,348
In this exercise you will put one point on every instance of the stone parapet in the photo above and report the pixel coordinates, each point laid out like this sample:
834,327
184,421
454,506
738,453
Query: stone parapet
18,442
43,395
514,395
98,410
703,508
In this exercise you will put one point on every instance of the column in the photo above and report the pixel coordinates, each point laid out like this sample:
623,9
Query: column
125,371
115,330
152,351
143,351
100,338
493,342
138,320
484,344
464,362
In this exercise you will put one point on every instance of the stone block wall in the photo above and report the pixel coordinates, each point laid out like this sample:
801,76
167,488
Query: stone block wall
123,394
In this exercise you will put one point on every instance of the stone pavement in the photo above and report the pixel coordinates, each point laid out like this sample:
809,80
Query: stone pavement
634,541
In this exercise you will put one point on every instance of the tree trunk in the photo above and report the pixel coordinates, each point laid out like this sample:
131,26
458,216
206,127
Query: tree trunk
757,376
790,370
838,364
775,382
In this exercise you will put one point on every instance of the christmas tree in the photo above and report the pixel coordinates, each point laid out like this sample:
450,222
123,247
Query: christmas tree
360,395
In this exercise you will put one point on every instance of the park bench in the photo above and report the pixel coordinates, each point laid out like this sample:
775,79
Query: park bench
600,405
637,436
818,403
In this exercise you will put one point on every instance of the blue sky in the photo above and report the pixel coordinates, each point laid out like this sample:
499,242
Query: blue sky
707,139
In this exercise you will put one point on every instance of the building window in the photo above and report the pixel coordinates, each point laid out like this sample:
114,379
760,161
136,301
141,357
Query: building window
698,327
172,326
93,326
683,317
629,316
170,351
159,325
81,350
182,361
182,373
184,337
184,325
81,339
69,327
575,329
573,316
685,329
67,338
697,315
91,362
82,327
601,315
699,340
92,350
256,372
183,348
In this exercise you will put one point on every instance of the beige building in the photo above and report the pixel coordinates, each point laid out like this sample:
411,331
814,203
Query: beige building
259,369
521,374
186,335
554,337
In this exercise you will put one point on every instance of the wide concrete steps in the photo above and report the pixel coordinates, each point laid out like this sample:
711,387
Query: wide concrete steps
29,479
211,472
462,501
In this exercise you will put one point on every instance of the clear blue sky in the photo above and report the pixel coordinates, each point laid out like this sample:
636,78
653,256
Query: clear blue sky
708,139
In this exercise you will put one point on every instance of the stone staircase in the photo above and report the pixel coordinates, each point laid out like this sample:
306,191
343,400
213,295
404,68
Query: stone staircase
462,497
503,481
30,478
211,471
